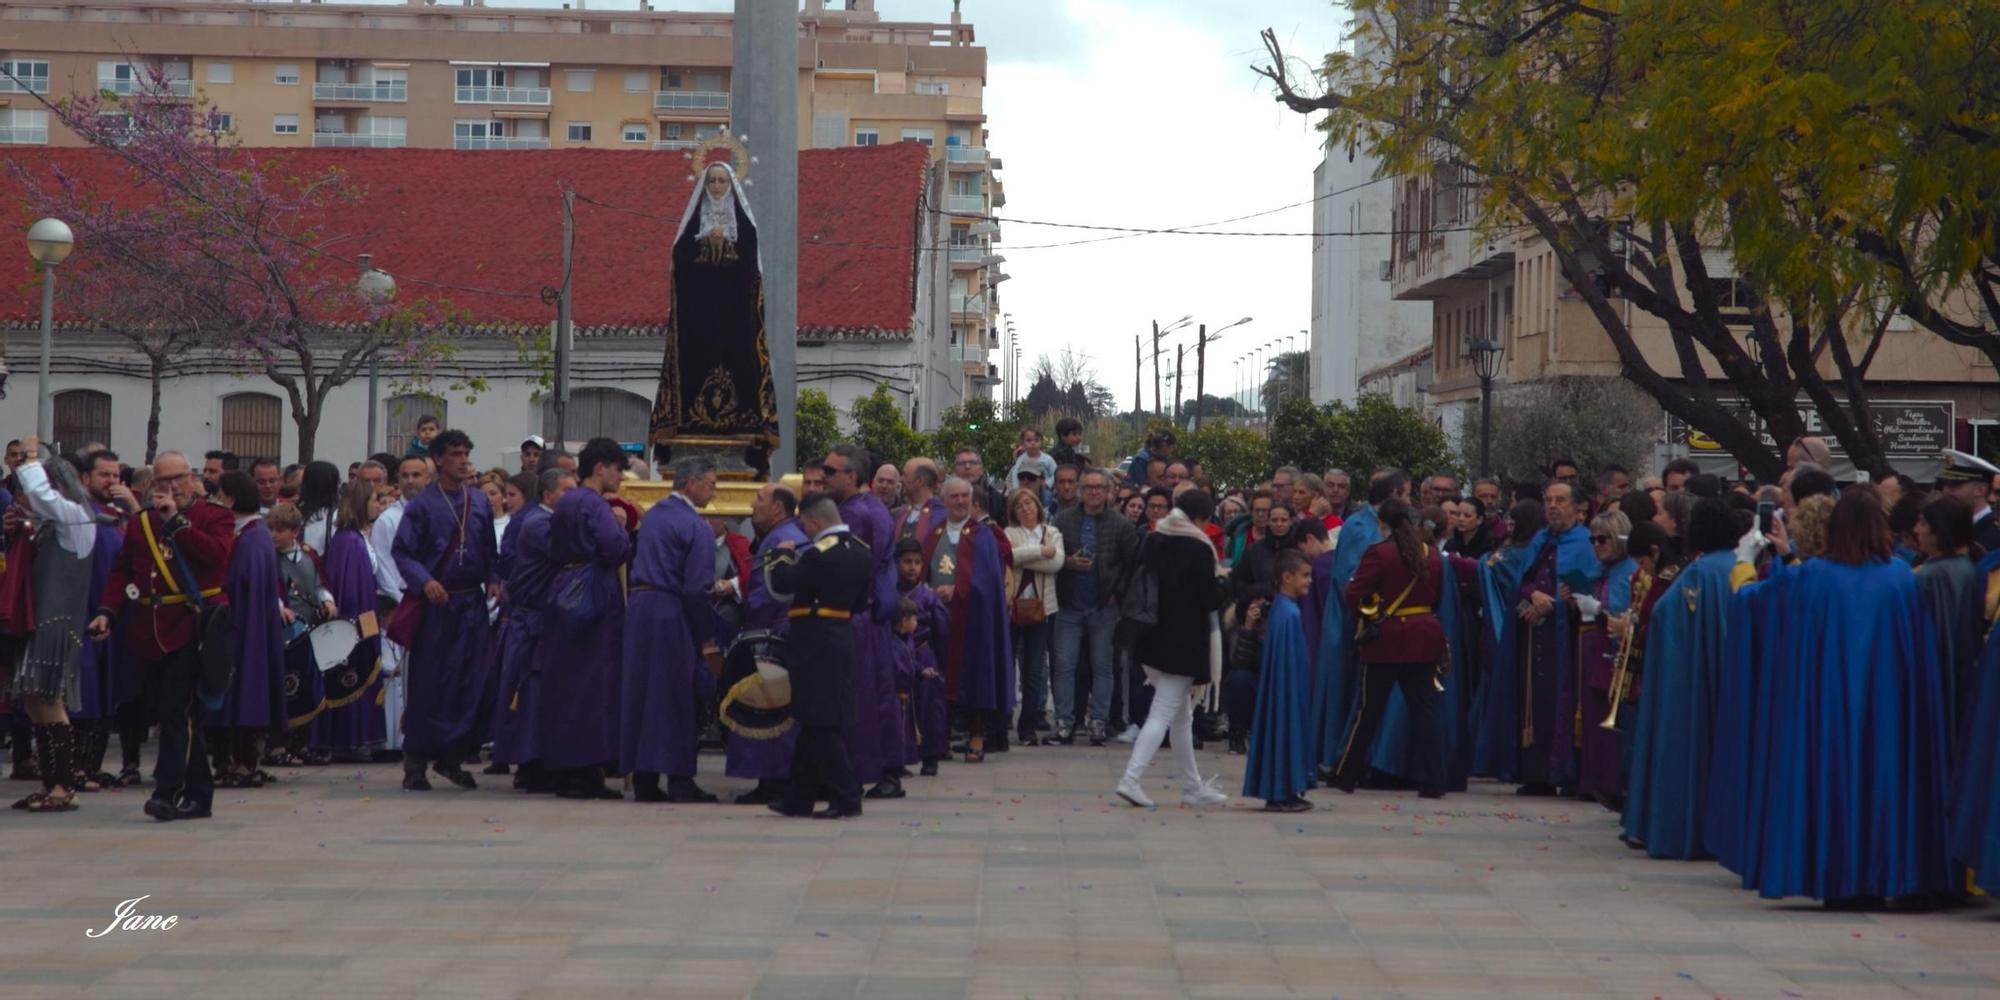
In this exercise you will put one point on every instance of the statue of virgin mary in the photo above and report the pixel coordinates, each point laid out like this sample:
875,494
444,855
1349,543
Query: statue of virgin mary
716,380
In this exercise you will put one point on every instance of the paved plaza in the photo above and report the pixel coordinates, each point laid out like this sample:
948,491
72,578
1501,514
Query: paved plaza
1019,878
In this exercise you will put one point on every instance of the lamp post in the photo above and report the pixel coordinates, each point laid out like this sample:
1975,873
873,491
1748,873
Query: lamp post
1202,338
1485,364
49,242
377,288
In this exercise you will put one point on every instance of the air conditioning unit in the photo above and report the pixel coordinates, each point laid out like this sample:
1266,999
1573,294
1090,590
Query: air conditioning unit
1386,267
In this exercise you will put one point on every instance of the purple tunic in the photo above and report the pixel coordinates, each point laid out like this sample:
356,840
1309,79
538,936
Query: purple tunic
672,572
580,688
447,670
350,577
528,571
875,743
105,667
764,760
933,737
256,698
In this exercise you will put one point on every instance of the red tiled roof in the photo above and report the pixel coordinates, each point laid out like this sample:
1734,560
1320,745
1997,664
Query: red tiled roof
448,223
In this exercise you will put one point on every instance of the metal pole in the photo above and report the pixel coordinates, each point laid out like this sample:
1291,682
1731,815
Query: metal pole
764,105
562,344
1156,367
374,397
1200,370
1485,427
1180,353
44,405
1138,370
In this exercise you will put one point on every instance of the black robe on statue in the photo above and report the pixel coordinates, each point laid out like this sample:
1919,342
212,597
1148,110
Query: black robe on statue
716,380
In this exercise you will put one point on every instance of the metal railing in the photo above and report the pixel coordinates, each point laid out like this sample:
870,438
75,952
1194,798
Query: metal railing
129,86
386,91
966,255
24,135
675,143
500,142
27,85
359,140
501,95
691,100
965,154
965,204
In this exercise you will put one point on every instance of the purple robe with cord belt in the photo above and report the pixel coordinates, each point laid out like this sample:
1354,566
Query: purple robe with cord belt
256,695
673,569
765,760
350,577
105,667
875,743
528,571
933,735
447,673
580,687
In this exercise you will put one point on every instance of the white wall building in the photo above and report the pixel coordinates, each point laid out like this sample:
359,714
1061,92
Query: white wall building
1356,326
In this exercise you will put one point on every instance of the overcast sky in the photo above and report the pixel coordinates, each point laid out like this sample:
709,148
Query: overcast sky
1133,113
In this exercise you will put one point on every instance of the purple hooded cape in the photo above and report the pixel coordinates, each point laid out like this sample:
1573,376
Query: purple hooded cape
106,667
875,742
447,669
673,569
524,563
573,723
255,699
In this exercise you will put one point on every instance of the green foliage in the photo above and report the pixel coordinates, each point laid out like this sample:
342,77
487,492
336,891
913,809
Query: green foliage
1373,433
817,425
1287,376
879,427
1592,421
1302,436
978,423
1232,456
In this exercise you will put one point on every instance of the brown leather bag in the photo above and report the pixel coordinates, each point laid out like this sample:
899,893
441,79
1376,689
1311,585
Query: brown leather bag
1027,610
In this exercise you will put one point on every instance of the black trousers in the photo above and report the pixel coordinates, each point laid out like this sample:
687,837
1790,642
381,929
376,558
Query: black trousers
820,770
182,771
1239,700
1419,699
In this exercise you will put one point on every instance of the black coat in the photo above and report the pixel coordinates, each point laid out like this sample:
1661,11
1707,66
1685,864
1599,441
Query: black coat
836,572
1189,592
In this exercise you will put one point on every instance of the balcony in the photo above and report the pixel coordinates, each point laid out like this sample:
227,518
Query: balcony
126,87
500,142
385,91
691,100
358,140
967,155
965,204
25,85
501,95
676,143
22,135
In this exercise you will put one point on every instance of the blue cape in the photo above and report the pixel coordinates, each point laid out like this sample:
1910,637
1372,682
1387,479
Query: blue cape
1280,760
1333,661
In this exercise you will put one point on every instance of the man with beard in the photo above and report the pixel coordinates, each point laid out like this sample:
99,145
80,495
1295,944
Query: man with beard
1563,562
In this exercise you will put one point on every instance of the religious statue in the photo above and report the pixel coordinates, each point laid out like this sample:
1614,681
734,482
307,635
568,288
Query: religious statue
715,384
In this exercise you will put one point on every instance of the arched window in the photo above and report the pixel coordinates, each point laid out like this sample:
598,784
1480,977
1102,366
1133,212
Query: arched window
625,417
250,425
406,410
82,416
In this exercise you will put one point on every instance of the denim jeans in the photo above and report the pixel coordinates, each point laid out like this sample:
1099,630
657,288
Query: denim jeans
1031,655
1073,628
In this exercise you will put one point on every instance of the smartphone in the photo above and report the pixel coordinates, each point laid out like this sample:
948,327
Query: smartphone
1764,512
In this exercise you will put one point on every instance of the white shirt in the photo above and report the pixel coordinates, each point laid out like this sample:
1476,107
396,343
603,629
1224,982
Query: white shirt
952,530
76,524
382,541
317,533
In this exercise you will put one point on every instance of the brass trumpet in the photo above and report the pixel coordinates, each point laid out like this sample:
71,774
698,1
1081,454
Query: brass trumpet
1621,672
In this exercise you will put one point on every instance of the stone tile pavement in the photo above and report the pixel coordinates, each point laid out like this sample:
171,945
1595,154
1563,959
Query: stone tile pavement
1019,878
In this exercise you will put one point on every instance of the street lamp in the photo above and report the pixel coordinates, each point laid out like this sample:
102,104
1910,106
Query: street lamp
1485,364
376,288
49,242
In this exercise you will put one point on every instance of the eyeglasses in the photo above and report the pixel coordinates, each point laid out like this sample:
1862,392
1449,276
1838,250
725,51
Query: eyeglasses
1099,488
1600,539
832,470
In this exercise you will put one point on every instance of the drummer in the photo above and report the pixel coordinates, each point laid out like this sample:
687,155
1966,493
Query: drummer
307,602
768,762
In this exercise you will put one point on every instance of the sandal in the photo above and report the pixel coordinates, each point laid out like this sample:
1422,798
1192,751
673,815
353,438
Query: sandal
282,758
231,779
316,758
260,777
87,783
975,755
45,802
129,777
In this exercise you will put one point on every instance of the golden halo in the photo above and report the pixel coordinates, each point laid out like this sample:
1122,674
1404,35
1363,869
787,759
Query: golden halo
702,154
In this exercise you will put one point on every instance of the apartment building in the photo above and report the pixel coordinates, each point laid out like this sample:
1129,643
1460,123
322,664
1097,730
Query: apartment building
471,77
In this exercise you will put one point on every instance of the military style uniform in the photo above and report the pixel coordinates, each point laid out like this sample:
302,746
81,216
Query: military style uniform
828,582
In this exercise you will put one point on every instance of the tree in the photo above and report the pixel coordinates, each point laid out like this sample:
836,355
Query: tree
1210,406
1841,152
1372,434
243,245
1594,422
1301,436
1067,382
1286,376
818,426
978,423
1232,456
879,427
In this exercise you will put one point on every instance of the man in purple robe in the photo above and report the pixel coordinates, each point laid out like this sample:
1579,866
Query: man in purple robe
768,762
930,714
964,564
529,570
585,621
673,571
253,708
111,689
875,741
444,550
922,512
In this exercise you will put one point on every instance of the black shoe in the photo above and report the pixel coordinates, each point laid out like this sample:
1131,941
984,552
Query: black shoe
385,756
832,813
495,768
1026,737
1434,794
929,770
642,793
1062,737
779,808
189,809
161,809
1334,781
1099,733
887,788
1295,804
1238,745
457,775
414,781
684,790
997,745
1536,790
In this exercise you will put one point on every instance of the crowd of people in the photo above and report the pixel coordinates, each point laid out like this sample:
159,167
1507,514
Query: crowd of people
1798,679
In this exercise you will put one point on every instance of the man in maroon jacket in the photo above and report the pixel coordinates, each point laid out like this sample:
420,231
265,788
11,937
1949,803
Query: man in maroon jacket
175,538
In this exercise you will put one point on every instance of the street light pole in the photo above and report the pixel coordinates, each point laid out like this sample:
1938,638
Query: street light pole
1485,364
49,242
378,288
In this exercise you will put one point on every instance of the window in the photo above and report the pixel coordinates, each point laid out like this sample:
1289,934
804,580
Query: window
635,83
670,80
463,129
250,424
31,76
380,125
635,132
579,81
579,131
285,74
82,416
482,76
933,87
404,411
867,137
924,135
670,130
24,127
601,412
221,72
285,124
221,121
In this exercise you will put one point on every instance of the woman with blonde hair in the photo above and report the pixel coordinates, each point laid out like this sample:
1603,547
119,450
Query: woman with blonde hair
1031,601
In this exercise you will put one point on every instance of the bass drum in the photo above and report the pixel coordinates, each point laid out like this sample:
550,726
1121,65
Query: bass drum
756,689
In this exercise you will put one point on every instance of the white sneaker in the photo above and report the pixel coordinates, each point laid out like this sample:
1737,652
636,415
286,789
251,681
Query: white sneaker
1130,735
1204,793
1130,791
